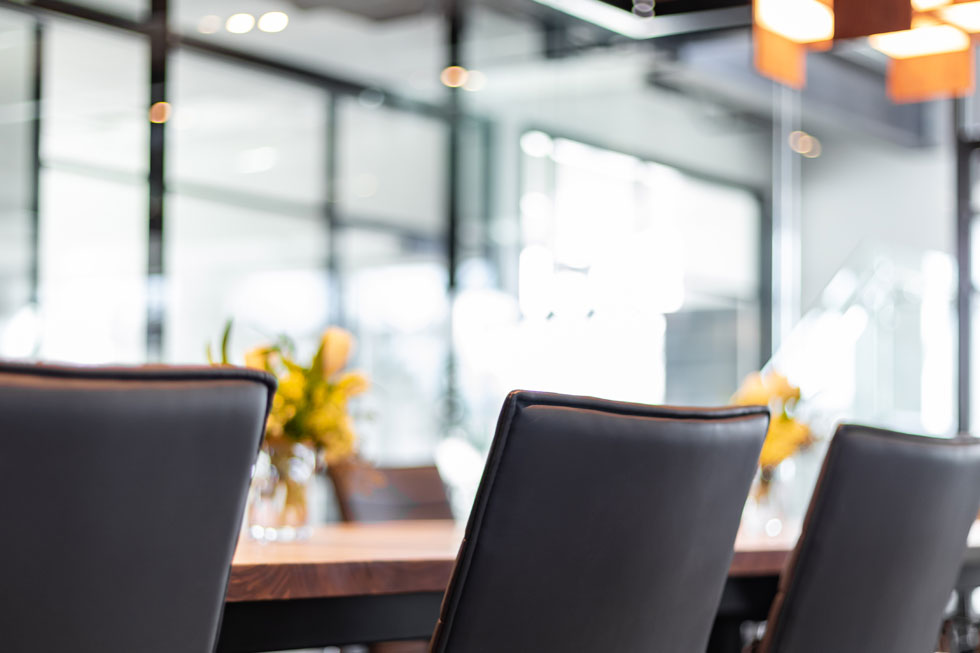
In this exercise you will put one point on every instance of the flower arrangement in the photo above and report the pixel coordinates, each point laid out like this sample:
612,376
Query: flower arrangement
311,404
309,420
787,434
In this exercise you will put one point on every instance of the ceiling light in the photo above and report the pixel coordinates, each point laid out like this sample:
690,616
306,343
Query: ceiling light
805,144
966,16
240,23
935,39
273,21
160,112
643,8
930,53
454,76
209,24
929,5
801,21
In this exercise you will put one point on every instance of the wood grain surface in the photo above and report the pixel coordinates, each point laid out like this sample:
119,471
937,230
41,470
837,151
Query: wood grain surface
416,556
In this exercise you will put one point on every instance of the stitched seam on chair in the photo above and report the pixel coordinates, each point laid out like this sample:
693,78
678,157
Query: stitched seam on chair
644,410
148,374
151,375
911,438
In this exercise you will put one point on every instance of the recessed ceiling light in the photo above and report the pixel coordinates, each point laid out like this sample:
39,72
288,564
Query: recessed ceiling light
160,112
209,24
643,8
454,76
273,21
240,23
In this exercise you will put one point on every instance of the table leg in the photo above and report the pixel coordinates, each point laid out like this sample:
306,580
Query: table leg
256,626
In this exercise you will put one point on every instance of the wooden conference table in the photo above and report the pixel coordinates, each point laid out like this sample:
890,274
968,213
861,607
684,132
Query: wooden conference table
358,583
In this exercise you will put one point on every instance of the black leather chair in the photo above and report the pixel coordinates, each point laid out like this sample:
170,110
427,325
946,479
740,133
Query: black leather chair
601,526
122,492
371,494
881,546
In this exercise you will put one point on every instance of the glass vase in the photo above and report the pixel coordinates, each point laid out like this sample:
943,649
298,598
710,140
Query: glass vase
278,509
764,513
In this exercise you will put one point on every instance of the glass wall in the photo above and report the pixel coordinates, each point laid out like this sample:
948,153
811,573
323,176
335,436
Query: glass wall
312,177
298,200
618,292
93,194
246,230
17,114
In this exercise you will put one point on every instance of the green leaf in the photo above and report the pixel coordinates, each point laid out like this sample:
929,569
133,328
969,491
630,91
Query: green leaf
225,338
209,354
316,367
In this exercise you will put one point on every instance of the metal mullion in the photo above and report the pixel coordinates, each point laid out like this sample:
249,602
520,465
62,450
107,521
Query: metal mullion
35,189
155,304
765,277
332,164
43,7
964,289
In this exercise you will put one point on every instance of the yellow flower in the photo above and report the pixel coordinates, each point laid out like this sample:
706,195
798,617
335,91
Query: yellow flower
353,383
335,347
752,392
258,358
780,387
292,387
758,390
786,435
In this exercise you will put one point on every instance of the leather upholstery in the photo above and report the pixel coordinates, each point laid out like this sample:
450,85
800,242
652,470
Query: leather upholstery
881,545
601,526
122,492
371,494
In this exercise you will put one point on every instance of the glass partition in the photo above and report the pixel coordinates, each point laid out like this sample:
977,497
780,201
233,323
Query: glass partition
394,300
18,335
879,346
392,167
247,236
619,293
93,195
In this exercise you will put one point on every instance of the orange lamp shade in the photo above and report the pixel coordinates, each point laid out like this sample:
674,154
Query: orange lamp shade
918,79
779,58
856,18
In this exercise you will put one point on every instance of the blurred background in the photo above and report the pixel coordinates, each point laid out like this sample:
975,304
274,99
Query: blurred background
490,194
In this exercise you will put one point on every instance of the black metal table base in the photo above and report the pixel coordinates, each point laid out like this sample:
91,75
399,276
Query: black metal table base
259,626
256,626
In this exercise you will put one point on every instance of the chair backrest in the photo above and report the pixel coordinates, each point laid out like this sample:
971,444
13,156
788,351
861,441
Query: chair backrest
371,494
122,493
882,543
601,526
